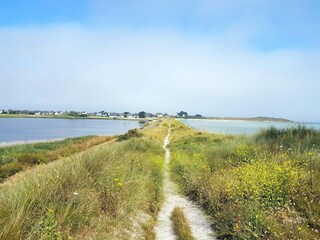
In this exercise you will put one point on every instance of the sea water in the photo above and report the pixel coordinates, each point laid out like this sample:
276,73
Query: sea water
239,126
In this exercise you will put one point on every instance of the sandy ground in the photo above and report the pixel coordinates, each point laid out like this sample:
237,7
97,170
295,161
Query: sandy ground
199,223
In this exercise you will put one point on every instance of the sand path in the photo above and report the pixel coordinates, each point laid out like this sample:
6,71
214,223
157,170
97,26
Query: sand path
199,223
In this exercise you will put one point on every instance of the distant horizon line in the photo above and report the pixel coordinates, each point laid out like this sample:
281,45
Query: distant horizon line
170,114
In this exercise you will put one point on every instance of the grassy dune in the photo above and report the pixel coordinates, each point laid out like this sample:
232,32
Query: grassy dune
99,194
14,159
261,187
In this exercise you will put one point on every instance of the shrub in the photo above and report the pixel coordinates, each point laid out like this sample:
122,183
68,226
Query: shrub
30,159
267,182
133,133
245,154
9,170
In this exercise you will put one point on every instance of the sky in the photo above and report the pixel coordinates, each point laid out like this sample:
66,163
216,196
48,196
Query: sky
240,58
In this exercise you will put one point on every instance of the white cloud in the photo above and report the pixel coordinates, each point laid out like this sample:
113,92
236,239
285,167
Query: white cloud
68,66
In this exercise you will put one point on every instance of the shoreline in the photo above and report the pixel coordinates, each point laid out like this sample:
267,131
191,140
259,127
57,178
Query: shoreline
23,142
239,120
252,119
71,117
14,143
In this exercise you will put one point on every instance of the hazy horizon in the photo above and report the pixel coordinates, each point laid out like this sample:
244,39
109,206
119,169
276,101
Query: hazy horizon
226,58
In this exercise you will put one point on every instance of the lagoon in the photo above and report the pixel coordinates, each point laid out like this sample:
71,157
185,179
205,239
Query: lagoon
38,129
239,126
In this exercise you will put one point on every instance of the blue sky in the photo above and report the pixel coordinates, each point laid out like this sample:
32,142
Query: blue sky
218,58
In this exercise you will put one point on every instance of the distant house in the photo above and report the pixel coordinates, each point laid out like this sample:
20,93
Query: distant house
149,115
102,114
113,114
159,115
129,115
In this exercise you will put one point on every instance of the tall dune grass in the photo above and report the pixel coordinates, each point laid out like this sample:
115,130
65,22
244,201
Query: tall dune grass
250,186
299,139
14,159
94,195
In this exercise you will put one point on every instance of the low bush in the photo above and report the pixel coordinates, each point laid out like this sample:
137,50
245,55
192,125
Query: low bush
132,133
10,169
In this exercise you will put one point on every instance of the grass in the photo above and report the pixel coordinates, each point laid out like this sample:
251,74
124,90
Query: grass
299,139
148,228
14,159
180,225
94,195
261,187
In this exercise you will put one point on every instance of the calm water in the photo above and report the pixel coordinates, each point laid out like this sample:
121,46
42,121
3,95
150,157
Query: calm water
29,129
237,127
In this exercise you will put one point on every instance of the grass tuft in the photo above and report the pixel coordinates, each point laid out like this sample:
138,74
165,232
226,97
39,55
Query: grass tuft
180,225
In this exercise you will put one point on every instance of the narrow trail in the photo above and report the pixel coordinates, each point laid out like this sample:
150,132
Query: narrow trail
199,223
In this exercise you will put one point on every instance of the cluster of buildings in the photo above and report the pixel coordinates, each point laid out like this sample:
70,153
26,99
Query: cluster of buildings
32,112
128,114
141,114
84,113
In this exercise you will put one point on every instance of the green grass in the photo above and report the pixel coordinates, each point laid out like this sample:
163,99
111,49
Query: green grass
17,158
180,225
94,195
251,188
299,139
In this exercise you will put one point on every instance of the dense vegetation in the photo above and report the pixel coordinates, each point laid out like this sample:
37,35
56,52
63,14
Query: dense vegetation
98,194
17,158
261,187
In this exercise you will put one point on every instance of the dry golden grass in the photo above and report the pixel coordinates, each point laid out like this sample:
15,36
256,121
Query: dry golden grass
92,195
180,225
14,159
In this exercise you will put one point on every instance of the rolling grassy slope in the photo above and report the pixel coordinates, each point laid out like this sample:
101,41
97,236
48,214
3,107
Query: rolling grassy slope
16,158
261,187
97,194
